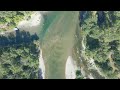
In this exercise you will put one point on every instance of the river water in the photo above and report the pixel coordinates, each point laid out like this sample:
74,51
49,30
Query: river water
41,30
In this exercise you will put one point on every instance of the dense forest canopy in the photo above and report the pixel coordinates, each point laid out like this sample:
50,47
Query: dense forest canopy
19,60
102,34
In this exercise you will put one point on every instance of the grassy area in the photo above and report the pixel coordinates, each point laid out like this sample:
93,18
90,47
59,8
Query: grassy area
57,43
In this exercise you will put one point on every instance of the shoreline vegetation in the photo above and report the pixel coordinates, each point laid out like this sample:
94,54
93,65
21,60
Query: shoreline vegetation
10,19
101,32
22,25
21,20
19,60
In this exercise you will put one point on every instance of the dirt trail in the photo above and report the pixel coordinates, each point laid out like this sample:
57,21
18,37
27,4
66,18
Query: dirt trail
112,64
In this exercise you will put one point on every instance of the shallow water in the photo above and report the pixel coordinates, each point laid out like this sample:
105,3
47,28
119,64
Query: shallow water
33,29
48,19
57,42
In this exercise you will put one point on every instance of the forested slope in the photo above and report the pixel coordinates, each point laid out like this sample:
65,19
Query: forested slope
101,30
19,56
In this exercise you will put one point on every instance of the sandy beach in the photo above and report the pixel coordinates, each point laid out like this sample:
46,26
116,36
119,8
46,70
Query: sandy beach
34,21
42,65
70,70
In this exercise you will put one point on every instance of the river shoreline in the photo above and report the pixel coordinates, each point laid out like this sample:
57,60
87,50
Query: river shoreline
41,65
28,25
34,21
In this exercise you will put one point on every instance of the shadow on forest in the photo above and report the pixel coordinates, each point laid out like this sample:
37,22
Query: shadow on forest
19,38
107,19
82,16
103,18
40,74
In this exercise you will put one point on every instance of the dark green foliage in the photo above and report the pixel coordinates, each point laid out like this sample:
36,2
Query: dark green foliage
79,75
19,60
114,44
10,19
106,19
102,33
92,43
78,72
103,65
